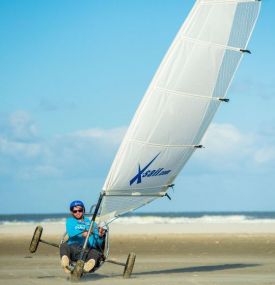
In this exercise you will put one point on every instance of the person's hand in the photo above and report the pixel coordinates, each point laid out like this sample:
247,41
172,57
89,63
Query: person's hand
101,231
84,234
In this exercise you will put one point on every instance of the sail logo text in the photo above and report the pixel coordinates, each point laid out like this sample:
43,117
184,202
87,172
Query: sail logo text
149,173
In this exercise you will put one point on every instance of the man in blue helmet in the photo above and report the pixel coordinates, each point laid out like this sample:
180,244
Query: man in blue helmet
77,227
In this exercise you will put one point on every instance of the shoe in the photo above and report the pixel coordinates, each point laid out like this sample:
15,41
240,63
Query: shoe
65,262
89,265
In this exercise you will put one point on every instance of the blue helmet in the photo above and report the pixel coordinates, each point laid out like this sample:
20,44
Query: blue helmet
77,203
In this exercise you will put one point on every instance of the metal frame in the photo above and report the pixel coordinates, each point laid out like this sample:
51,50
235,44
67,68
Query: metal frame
91,225
76,268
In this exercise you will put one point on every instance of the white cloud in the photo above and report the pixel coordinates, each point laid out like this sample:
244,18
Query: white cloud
84,153
89,153
33,172
19,150
18,137
263,89
21,126
265,155
229,148
110,135
225,137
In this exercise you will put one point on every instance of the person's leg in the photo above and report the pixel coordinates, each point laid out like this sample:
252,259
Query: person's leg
65,256
75,252
92,259
95,254
64,249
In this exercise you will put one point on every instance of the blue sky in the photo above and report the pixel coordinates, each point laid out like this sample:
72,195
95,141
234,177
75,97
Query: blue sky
72,75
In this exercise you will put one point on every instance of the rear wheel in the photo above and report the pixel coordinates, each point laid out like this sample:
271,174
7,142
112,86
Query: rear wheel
129,265
77,271
35,239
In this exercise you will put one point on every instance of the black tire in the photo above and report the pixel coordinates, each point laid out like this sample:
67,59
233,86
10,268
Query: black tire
35,239
77,271
129,265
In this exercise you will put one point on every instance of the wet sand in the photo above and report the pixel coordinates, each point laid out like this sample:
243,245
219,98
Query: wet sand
161,259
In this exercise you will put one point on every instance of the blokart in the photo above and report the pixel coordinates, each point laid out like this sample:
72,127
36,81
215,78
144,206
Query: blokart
174,114
76,267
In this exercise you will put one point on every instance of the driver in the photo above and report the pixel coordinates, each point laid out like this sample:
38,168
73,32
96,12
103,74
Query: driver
77,227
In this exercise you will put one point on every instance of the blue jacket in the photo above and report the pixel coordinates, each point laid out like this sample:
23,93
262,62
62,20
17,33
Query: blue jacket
75,228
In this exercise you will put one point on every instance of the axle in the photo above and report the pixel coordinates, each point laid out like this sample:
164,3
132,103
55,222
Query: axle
50,243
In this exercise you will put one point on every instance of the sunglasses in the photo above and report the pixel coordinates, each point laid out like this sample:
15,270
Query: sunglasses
78,211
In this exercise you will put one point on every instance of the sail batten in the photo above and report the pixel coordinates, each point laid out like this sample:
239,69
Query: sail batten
208,43
178,93
180,103
164,145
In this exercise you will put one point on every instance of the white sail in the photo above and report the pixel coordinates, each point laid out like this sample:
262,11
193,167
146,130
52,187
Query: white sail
188,87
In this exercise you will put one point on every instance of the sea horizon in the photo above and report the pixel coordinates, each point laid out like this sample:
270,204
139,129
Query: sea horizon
152,217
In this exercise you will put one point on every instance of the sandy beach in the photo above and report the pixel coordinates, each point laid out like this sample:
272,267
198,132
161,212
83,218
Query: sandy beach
180,257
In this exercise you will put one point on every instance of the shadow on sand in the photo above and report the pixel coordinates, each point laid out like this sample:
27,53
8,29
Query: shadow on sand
96,276
84,278
207,268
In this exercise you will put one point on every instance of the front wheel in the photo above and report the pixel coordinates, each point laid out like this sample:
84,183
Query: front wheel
129,265
77,271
